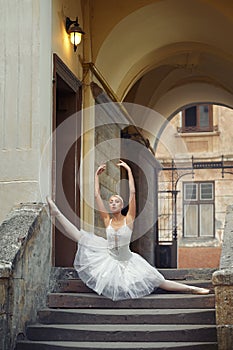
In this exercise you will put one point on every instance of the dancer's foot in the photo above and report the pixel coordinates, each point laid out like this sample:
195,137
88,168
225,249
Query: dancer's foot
197,290
53,209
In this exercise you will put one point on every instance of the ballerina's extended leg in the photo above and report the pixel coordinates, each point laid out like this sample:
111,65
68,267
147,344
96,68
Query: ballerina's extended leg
70,230
180,287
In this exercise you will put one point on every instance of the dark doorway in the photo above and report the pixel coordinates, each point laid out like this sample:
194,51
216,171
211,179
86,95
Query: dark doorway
66,103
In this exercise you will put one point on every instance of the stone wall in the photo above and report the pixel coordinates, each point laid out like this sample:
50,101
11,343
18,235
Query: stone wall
25,264
223,283
107,149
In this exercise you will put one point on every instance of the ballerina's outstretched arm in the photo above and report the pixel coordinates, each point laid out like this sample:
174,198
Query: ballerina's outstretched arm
132,200
70,230
101,207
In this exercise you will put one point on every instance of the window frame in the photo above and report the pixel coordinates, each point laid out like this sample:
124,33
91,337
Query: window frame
198,128
199,202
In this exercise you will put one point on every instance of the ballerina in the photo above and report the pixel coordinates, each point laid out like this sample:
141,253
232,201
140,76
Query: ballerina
108,266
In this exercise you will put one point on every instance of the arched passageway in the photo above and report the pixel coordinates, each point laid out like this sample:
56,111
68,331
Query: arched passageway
167,55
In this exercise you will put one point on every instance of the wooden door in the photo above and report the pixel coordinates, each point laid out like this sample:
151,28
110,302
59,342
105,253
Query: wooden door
67,102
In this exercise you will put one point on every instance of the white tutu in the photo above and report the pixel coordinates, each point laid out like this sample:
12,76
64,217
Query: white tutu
111,269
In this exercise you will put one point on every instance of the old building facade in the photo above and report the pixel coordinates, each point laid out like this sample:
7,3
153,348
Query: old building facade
201,173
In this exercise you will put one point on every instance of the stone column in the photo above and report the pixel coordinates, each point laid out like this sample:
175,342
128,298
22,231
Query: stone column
88,130
223,284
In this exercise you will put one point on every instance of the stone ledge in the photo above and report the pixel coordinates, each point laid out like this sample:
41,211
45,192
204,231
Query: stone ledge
185,242
25,264
15,230
223,277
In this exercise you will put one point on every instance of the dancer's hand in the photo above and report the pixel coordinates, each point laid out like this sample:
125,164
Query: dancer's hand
101,169
124,165
53,209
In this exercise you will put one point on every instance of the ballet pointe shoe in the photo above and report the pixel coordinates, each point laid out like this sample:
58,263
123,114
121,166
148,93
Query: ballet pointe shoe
197,290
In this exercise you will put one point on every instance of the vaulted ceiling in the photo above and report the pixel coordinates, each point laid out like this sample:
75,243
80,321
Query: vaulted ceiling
165,54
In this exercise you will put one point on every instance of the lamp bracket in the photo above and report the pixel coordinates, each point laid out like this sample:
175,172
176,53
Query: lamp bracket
69,22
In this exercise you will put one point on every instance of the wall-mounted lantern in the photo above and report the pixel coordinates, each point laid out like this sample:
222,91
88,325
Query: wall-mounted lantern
75,32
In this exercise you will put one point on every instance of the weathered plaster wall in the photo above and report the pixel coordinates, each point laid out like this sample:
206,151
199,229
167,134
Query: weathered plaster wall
25,99
197,257
25,264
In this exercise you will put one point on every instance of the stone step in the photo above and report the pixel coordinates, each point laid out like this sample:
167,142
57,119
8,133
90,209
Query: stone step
71,286
123,332
156,301
130,316
76,285
64,273
188,274
60,345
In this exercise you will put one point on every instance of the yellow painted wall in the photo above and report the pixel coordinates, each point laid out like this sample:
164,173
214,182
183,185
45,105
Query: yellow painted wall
60,39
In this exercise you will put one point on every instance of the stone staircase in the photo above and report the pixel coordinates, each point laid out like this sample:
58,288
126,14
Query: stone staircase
76,318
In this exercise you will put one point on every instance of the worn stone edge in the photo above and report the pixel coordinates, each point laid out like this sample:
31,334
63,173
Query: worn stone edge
223,277
6,267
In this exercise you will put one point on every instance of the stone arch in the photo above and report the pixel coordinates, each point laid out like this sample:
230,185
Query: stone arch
163,24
